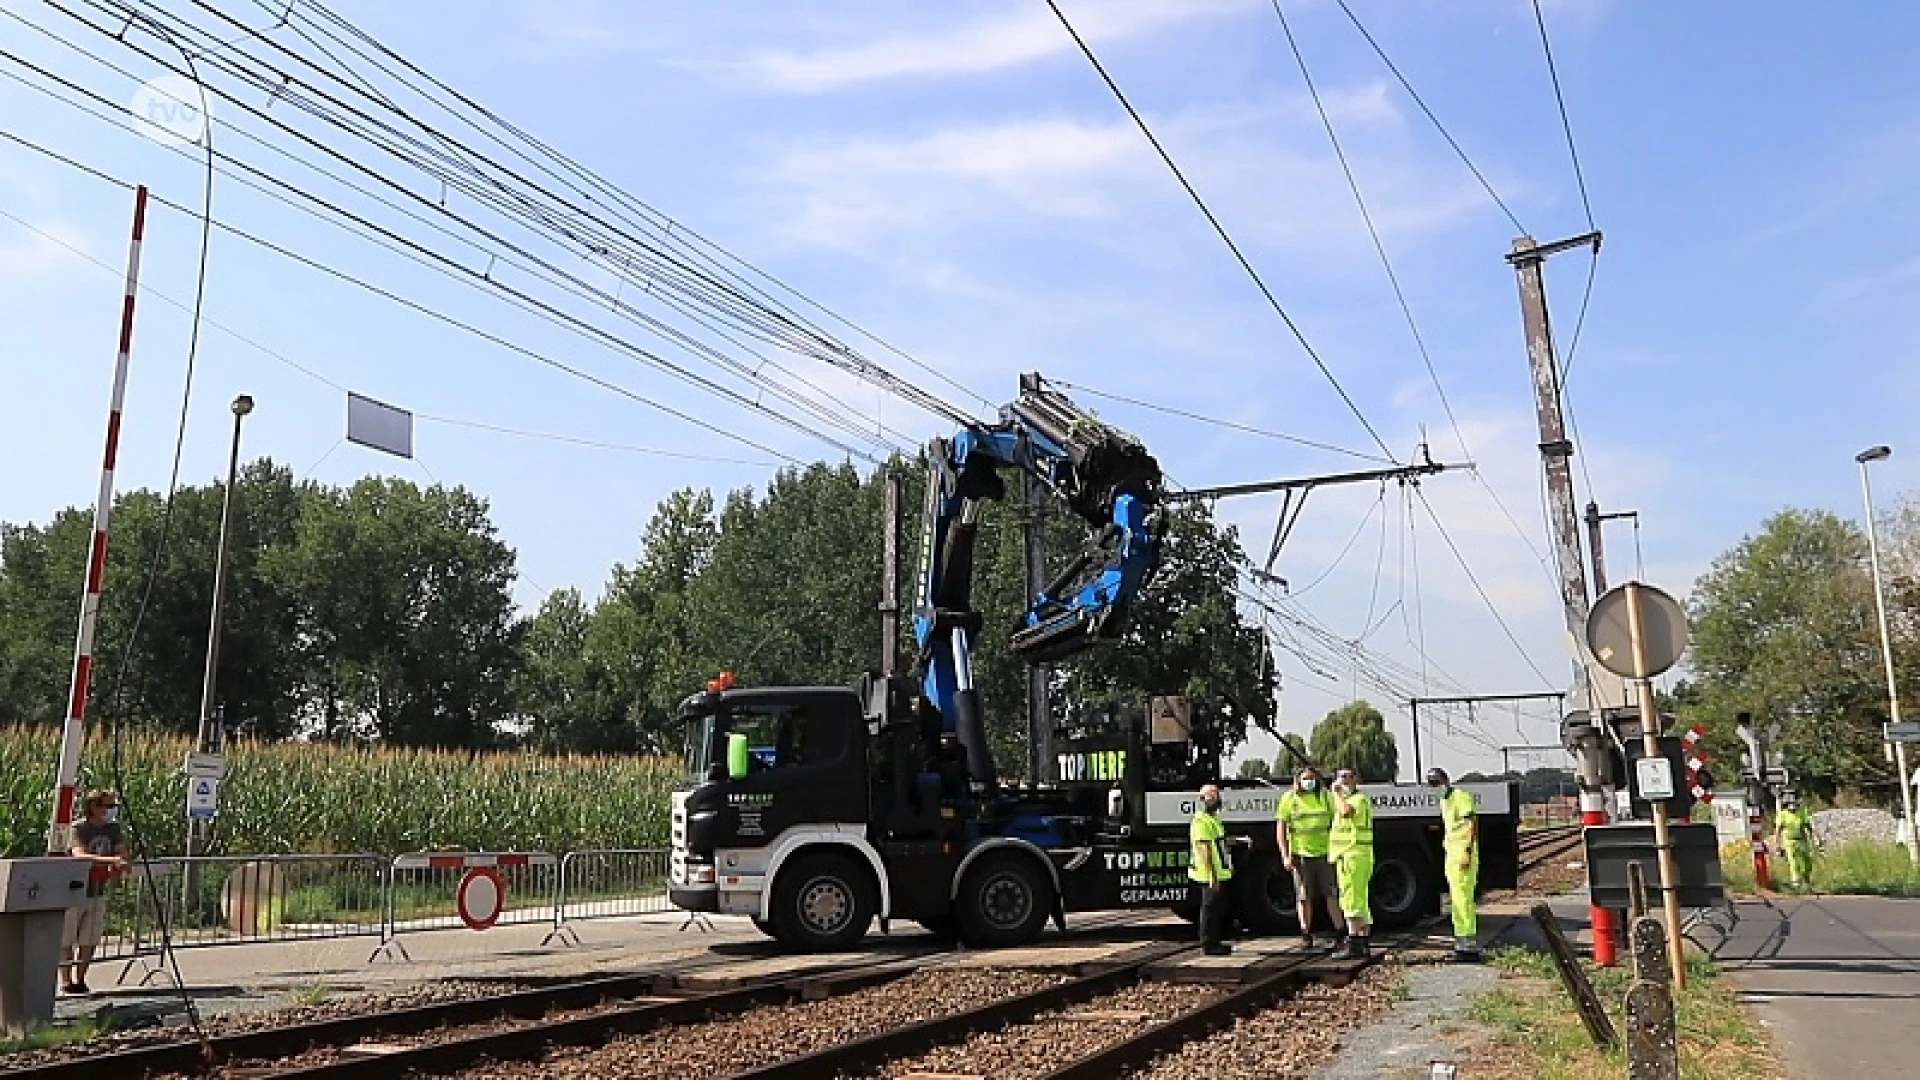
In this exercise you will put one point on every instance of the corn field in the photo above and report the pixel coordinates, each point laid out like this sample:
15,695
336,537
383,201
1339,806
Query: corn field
312,798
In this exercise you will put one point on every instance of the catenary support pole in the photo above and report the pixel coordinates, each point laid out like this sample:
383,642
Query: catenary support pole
1556,454
1597,545
60,831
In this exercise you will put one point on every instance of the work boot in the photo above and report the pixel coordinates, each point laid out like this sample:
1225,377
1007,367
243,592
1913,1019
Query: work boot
1345,950
1306,942
1357,948
1219,948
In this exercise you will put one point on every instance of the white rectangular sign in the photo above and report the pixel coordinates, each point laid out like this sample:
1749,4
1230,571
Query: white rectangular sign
1905,731
1730,816
210,766
203,795
1655,776
1247,806
379,425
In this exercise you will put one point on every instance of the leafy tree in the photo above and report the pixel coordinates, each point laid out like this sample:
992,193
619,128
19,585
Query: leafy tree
1783,628
1355,736
564,688
1255,769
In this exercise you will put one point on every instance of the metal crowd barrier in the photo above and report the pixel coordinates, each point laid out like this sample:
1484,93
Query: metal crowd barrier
607,883
240,899
423,889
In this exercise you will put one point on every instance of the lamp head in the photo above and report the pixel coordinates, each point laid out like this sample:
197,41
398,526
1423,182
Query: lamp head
242,405
1873,453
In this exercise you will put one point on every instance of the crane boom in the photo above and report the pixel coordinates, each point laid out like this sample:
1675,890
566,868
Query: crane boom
1104,475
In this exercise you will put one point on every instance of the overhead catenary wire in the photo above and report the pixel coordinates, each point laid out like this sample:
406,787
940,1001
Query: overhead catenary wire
1386,262
1219,229
457,165
1480,589
1201,418
485,279
429,418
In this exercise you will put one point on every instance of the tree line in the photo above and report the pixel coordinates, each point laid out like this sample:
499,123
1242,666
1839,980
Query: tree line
382,612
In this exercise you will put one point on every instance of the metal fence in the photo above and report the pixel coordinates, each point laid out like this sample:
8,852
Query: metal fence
246,899
240,899
423,890
608,883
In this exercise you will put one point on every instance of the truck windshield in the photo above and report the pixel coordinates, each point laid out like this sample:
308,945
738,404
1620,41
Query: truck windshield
703,747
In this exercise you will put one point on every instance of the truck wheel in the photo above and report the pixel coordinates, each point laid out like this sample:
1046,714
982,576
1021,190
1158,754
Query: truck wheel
1263,896
1405,887
822,903
1004,900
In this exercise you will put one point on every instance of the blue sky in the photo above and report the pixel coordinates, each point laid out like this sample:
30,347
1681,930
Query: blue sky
955,178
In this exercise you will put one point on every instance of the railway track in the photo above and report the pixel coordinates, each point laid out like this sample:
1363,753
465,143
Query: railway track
447,1036
1542,847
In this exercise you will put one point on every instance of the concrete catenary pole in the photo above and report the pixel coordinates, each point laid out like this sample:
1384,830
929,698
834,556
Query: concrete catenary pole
1556,454
60,831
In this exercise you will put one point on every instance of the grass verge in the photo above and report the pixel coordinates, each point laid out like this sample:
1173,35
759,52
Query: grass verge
1855,868
42,1038
1539,1034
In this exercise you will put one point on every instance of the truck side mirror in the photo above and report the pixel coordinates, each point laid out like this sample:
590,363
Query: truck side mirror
736,755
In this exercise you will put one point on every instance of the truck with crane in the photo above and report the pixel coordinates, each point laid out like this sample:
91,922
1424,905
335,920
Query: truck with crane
817,810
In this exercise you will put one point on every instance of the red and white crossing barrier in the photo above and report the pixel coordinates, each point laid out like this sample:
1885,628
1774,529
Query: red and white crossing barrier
60,832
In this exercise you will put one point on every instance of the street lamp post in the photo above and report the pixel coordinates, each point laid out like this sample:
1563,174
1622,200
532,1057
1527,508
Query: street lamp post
206,742
1865,457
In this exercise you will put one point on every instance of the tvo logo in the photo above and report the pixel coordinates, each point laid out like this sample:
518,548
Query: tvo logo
171,110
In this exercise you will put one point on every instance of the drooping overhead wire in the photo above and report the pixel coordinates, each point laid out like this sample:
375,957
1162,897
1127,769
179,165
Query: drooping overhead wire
1221,231
1566,125
1407,85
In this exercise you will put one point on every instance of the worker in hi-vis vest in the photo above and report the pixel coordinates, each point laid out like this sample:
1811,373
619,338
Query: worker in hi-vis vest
1460,848
1210,866
1793,835
1350,846
1302,822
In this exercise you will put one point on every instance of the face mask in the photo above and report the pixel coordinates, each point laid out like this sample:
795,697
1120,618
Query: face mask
1309,784
113,813
1212,805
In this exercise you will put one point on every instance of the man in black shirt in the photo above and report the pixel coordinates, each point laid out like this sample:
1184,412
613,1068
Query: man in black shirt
100,839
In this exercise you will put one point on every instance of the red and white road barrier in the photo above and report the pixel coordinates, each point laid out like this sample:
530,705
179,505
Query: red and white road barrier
60,832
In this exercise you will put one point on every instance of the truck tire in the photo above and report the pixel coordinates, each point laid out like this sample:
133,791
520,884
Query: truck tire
822,902
1405,888
1263,897
1004,901
766,928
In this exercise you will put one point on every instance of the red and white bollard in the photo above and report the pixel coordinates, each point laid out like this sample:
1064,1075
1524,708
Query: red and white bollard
1757,836
1593,811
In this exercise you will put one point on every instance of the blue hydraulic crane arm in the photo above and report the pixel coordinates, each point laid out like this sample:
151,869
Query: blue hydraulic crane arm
1104,475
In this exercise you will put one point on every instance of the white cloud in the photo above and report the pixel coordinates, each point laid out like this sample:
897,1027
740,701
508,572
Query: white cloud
1023,35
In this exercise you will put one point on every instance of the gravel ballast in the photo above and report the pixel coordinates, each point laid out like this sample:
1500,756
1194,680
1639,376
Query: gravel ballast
732,1044
1288,1039
1054,1039
1836,827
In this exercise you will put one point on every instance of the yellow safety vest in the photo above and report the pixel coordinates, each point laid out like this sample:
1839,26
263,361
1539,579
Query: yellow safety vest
1354,832
1309,817
1456,819
1793,824
1208,830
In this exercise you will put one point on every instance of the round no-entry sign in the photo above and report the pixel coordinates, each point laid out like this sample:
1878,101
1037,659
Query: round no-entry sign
480,897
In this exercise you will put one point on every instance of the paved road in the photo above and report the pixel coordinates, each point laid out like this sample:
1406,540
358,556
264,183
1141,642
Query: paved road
1836,978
